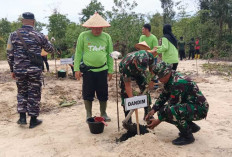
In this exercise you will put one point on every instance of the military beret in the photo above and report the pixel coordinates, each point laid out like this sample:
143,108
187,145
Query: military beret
28,15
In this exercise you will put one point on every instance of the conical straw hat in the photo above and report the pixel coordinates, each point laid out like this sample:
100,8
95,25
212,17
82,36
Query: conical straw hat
142,46
44,53
96,21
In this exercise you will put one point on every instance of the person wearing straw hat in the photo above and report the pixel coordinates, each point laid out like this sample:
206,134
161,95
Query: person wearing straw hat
180,103
134,65
94,48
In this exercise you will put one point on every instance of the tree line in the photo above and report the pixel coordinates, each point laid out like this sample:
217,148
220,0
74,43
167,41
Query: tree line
212,23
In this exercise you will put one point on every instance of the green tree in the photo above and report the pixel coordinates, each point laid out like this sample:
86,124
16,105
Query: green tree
39,26
157,25
57,28
218,14
168,12
5,28
71,36
126,25
94,6
57,25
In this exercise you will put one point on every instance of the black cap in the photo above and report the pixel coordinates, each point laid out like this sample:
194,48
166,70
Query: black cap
28,15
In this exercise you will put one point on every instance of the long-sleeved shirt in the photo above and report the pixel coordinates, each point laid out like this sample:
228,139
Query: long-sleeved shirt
168,51
95,51
17,59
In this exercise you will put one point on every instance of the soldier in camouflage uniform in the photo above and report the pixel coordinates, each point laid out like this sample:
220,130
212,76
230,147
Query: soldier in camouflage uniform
27,75
134,65
185,103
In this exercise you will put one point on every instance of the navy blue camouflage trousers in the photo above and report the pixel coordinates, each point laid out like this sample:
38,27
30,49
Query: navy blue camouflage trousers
29,92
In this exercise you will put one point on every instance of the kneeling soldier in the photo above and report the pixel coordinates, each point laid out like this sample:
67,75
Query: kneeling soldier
185,103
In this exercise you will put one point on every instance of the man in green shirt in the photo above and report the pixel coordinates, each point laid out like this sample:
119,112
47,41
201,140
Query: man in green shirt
181,46
148,37
94,47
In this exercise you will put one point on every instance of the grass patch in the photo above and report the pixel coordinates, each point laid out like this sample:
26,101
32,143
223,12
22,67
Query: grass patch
218,68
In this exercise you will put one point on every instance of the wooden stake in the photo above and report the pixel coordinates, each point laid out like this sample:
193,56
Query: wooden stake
196,66
137,121
116,69
66,71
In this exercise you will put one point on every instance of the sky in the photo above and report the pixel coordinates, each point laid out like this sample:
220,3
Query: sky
11,9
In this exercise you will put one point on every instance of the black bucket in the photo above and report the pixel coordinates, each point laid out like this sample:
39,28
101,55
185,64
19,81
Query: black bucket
95,127
62,73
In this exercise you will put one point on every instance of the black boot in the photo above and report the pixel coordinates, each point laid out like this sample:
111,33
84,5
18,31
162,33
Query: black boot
34,122
194,127
22,120
186,137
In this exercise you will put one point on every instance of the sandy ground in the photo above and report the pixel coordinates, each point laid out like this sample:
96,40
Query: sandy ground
64,131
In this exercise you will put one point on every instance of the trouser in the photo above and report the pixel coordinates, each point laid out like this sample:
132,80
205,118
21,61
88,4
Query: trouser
191,54
45,60
95,82
29,92
197,54
180,114
174,66
141,82
182,54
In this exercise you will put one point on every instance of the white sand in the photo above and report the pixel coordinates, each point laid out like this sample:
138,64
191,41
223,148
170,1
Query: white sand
65,133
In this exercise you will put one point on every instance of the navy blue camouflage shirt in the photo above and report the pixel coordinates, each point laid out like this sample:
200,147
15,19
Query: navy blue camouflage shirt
17,59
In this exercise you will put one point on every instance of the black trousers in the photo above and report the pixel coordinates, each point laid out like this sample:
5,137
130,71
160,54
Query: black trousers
191,53
198,51
182,54
95,82
45,59
174,66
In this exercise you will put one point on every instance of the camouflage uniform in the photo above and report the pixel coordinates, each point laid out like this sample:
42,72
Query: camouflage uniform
185,102
28,76
128,70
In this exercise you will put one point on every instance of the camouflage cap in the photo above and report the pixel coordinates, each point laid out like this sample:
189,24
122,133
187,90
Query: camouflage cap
161,70
144,60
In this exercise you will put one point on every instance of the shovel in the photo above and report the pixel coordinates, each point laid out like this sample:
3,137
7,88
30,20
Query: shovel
100,119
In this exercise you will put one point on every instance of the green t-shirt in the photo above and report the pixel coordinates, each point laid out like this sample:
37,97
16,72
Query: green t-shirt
169,51
96,51
181,45
151,40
